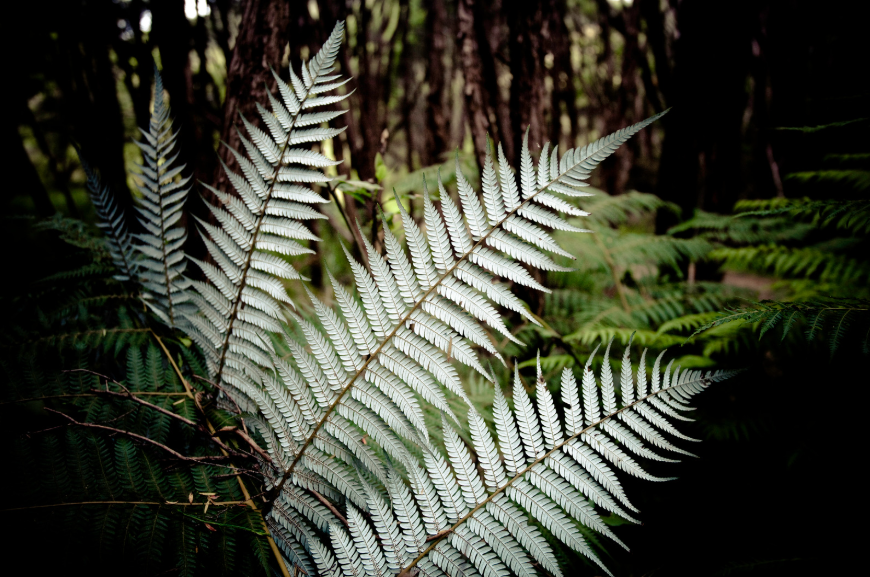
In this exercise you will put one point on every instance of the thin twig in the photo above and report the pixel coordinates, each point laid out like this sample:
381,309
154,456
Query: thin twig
354,232
146,440
159,503
329,506
84,395
248,440
129,396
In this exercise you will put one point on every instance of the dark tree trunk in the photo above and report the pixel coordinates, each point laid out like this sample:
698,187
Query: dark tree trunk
478,70
527,99
89,98
700,164
139,50
437,114
263,35
24,177
174,37
564,92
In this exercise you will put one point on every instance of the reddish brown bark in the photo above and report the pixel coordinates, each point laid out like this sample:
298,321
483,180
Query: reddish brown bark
263,35
478,70
437,113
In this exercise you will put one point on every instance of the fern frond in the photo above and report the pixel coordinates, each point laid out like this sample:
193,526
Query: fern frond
164,192
796,262
849,215
272,198
833,316
421,312
113,224
547,481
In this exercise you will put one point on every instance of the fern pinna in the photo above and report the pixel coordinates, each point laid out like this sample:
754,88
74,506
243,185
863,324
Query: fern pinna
354,485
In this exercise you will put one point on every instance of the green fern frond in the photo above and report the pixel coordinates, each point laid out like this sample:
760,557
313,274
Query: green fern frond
831,316
805,262
848,215
113,224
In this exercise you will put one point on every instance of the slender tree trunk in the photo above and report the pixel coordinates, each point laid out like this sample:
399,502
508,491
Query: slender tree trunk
478,70
563,77
172,34
437,129
263,35
527,99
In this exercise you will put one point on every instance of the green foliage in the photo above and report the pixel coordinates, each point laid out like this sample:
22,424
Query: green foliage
75,344
816,250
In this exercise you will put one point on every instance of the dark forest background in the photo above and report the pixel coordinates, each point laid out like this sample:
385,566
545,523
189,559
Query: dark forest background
769,495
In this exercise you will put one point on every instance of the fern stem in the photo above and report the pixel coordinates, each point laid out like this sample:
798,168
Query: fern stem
354,231
187,387
165,259
556,448
280,485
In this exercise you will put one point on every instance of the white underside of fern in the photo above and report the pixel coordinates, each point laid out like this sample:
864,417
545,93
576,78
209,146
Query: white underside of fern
343,420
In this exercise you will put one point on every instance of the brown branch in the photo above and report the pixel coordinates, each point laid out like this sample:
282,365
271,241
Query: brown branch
248,440
329,506
146,440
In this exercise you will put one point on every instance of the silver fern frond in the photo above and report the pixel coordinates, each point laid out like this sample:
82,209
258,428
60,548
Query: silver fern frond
467,514
418,314
566,481
111,220
164,191
245,296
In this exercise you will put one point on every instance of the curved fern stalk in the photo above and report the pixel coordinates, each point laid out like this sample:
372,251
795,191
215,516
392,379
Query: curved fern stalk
245,294
164,192
113,224
561,475
417,315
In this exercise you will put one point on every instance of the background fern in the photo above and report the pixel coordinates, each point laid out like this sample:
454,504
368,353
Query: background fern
814,251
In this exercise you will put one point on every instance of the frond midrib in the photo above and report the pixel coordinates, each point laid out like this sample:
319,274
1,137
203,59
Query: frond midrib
161,170
260,218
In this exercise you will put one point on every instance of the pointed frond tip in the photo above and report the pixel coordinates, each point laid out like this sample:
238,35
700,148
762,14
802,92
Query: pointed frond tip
272,197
